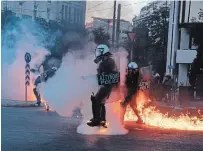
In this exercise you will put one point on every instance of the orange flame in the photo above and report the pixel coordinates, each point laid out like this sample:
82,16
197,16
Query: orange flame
153,117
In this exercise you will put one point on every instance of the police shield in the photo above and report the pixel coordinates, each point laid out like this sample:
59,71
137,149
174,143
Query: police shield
145,78
114,78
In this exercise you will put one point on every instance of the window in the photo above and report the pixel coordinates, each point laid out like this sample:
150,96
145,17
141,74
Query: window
190,11
182,11
66,9
191,44
70,14
196,11
62,12
75,15
78,16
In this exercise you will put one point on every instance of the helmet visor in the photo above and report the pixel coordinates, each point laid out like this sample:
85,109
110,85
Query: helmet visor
99,52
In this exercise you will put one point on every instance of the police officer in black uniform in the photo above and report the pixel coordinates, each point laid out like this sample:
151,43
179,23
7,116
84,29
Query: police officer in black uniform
50,65
132,85
106,65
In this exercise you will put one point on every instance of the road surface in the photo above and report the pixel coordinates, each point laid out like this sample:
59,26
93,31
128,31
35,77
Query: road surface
33,129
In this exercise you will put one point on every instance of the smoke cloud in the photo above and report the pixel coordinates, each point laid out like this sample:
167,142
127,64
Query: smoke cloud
19,37
73,84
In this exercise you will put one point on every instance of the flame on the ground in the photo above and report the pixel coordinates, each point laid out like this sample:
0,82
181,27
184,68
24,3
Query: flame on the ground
46,105
153,117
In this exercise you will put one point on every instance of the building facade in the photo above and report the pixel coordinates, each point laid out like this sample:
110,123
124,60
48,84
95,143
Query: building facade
181,51
69,13
107,25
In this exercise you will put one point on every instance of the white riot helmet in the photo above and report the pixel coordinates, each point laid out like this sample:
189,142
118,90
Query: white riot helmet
168,75
156,75
132,65
100,51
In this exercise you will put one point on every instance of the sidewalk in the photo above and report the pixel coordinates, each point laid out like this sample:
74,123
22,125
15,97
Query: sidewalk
17,103
192,107
190,104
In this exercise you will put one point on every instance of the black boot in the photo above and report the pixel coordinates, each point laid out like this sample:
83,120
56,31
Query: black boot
38,97
103,116
39,102
93,106
35,92
103,112
93,112
96,120
96,111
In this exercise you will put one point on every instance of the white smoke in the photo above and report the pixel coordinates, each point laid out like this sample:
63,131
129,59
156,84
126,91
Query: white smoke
72,86
13,76
13,50
67,89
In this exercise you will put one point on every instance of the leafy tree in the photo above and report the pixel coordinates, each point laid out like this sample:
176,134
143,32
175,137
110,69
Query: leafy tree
100,36
157,24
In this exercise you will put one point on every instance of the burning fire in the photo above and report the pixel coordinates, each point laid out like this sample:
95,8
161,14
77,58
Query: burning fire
46,105
153,117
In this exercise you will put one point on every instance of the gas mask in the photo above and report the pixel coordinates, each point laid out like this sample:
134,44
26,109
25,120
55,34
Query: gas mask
132,71
98,59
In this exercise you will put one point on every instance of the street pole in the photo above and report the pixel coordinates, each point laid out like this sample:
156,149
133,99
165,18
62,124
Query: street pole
131,52
35,11
114,16
21,9
26,93
118,24
48,14
27,72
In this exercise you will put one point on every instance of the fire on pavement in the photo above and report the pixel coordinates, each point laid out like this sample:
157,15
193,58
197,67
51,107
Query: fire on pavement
153,117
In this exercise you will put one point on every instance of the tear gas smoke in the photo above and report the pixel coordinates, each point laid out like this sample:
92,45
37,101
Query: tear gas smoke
66,90
17,39
72,86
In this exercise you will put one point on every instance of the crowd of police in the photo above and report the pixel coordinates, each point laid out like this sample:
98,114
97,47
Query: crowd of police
106,67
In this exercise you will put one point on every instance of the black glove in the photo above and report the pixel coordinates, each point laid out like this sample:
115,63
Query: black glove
34,71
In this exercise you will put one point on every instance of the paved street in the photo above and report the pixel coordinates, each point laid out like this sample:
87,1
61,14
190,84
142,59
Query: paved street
33,129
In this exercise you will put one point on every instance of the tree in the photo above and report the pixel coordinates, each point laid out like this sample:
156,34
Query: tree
100,37
134,20
157,24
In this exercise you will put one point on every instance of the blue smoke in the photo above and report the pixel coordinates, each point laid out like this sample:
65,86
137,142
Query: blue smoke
19,37
17,31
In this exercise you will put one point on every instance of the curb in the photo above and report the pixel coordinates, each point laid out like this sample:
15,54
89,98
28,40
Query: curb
193,111
20,105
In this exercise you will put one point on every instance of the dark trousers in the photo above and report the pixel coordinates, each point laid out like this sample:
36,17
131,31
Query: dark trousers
37,95
130,100
98,103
